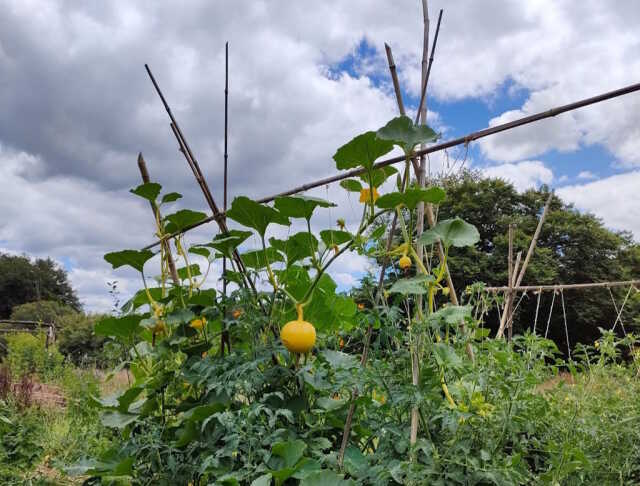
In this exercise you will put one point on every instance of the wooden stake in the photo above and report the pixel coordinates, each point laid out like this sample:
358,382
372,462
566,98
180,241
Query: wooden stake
532,247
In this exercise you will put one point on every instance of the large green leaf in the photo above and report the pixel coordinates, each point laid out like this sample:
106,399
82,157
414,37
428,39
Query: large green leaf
362,151
452,232
257,259
296,247
227,243
133,258
255,215
182,219
452,314
148,191
118,327
411,197
378,176
412,286
117,420
402,132
289,452
338,359
300,206
325,478
446,356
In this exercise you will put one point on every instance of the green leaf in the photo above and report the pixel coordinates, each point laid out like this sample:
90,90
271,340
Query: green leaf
296,247
255,215
148,191
411,286
411,198
118,327
402,132
338,359
170,197
325,478
264,480
452,314
203,297
133,258
378,176
351,185
200,250
335,237
290,452
363,151
182,219
452,232
227,243
193,269
258,259
300,206
446,356
117,420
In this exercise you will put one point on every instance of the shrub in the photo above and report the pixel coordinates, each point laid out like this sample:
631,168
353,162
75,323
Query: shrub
28,355
77,341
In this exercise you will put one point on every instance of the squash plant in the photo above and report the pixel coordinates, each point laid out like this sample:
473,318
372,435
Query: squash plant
272,410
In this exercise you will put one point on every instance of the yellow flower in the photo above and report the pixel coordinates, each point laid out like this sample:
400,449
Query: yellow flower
404,262
236,313
341,343
361,306
198,323
365,195
597,344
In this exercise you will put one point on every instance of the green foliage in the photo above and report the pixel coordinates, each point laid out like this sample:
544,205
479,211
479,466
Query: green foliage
24,280
46,311
28,355
218,398
573,247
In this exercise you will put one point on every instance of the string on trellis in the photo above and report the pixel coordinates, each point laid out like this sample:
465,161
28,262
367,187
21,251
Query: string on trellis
535,321
553,299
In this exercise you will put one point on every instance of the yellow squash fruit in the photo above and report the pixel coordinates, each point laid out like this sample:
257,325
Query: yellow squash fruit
404,262
298,336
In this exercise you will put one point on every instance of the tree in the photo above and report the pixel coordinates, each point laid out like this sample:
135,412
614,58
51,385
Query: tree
24,280
47,311
573,247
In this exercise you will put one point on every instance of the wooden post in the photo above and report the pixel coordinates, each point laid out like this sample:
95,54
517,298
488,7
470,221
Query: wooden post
510,271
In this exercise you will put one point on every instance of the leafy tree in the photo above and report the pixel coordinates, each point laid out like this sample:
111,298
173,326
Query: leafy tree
43,311
573,247
24,280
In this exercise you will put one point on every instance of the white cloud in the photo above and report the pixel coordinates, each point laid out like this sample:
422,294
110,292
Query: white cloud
523,175
587,175
77,106
614,199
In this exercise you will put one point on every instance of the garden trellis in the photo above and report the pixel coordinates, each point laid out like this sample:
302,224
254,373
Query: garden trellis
418,160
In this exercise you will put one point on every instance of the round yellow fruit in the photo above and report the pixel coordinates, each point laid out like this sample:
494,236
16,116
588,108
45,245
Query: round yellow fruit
298,336
404,262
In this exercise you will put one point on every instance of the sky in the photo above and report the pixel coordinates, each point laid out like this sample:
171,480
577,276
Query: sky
76,107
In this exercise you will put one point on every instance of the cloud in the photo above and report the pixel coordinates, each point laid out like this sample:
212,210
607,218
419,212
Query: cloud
523,175
587,175
77,106
614,199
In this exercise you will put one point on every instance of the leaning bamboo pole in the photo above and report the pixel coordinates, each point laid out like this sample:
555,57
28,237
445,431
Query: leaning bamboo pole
429,150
